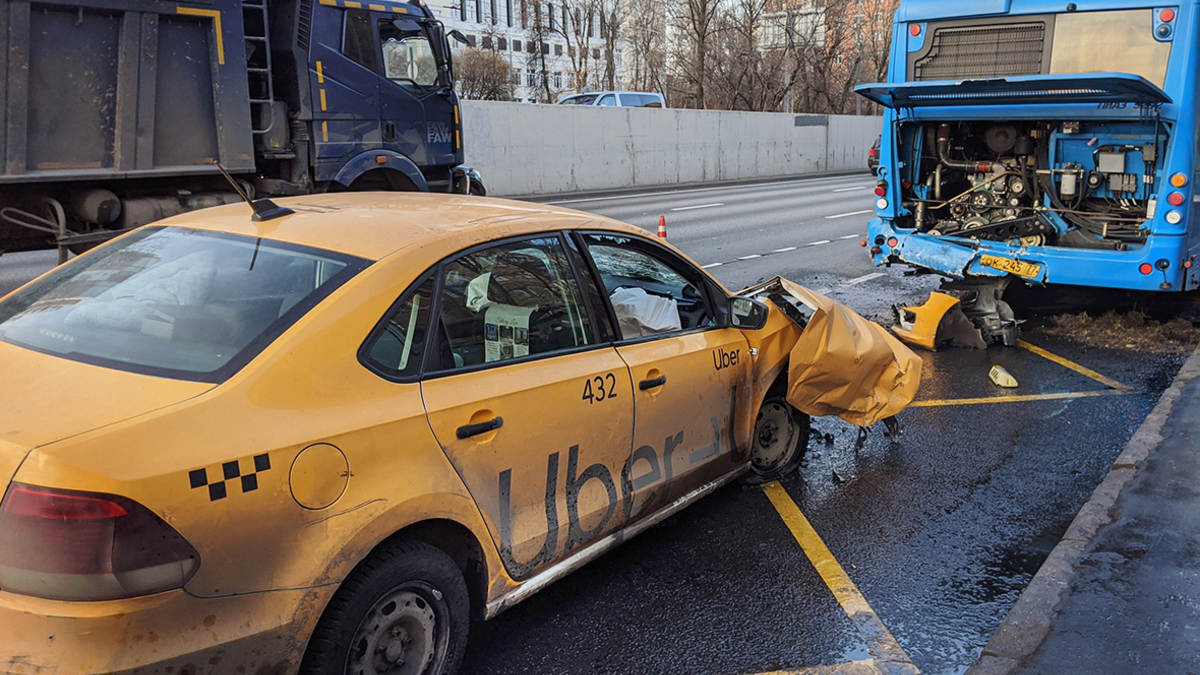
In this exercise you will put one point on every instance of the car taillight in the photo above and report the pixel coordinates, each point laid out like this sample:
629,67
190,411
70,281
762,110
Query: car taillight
68,545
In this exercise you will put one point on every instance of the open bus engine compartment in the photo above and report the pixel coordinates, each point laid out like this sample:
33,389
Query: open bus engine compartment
1066,183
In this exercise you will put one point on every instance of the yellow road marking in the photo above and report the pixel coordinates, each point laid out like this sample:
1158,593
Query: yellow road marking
1086,372
1114,387
1017,399
216,17
320,73
881,645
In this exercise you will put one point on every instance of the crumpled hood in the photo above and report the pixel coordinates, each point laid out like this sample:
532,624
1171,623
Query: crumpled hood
45,398
843,364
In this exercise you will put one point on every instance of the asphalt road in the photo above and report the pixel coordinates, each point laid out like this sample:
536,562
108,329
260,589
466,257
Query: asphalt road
936,535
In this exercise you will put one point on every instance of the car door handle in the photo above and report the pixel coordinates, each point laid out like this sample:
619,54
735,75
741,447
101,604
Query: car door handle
651,384
470,430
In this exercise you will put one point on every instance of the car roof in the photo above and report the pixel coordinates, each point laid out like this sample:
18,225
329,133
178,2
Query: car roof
373,225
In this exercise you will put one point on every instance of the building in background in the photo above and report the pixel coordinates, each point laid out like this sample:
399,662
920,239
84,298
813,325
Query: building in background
552,48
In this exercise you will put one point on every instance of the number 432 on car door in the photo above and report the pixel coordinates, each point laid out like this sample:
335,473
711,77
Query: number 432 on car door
600,388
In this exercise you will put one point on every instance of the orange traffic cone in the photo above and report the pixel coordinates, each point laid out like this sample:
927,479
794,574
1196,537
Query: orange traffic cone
662,227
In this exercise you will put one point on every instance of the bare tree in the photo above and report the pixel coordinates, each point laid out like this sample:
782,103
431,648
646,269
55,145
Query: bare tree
575,27
538,30
644,38
611,16
484,75
695,24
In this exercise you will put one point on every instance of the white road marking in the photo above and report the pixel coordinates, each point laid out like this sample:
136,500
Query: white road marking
692,208
847,215
785,250
712,265
866,277
750,257
851,189
818,243
814,179
852,236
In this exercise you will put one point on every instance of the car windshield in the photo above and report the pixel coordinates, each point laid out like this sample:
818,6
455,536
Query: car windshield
173,302
586,99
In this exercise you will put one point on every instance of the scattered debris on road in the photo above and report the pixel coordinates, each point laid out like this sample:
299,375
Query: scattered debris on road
939,322
1002,378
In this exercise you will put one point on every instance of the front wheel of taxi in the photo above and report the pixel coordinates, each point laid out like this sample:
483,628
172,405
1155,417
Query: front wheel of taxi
403,611
779,440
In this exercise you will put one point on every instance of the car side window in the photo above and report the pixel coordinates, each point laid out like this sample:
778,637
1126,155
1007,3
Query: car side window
649,295
510,301
358,38
398,345
608,100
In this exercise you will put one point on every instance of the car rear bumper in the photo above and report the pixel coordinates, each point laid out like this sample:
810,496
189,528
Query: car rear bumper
169,632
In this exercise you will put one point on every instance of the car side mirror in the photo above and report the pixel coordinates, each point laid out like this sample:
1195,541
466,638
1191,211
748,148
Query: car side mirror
747,314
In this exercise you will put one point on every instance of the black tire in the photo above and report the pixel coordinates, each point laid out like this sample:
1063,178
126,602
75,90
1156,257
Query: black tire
402,611
779,440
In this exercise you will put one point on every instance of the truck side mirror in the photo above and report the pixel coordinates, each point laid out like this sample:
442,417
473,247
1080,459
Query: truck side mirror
406,25
459,37
747,314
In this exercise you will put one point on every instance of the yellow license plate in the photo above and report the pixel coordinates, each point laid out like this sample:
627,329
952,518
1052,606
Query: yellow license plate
1017,267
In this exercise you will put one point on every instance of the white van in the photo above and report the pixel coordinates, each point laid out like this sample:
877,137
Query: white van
621,99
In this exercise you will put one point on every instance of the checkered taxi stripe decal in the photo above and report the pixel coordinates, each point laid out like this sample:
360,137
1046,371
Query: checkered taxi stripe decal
229,471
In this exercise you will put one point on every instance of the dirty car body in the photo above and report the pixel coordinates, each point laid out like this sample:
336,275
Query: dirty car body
322,443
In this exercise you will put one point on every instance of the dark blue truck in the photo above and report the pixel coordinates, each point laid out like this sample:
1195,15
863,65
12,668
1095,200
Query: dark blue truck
115,113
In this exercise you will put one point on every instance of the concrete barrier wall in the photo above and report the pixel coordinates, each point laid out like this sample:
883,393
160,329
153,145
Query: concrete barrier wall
527,149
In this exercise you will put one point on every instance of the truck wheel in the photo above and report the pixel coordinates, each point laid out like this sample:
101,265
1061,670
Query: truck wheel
402,611
779,441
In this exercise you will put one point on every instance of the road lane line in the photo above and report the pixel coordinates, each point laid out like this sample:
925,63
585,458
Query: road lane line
785,250
864,278
693,208
750,257
866,667
847,215
851,189
852,236
1071,365
881,645
937,403
711,265
801,181
818,243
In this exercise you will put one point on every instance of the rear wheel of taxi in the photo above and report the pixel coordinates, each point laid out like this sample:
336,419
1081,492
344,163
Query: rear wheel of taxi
403,611
779,439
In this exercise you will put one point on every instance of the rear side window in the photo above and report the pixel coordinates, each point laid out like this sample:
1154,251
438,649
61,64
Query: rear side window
173,302
510,301
641,101
398,346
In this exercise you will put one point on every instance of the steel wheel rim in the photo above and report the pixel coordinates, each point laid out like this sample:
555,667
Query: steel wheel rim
774,443
404,633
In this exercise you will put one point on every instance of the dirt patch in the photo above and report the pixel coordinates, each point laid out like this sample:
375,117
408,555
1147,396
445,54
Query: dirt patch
1128,330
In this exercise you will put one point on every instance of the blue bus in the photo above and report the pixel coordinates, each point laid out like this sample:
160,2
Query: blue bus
1043,141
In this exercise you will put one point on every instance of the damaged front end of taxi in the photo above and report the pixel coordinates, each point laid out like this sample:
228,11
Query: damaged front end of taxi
840,364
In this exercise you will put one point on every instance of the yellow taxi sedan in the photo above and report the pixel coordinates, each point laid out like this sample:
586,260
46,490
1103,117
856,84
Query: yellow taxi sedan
324,442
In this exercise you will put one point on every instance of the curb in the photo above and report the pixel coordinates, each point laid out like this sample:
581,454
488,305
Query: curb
1031,617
